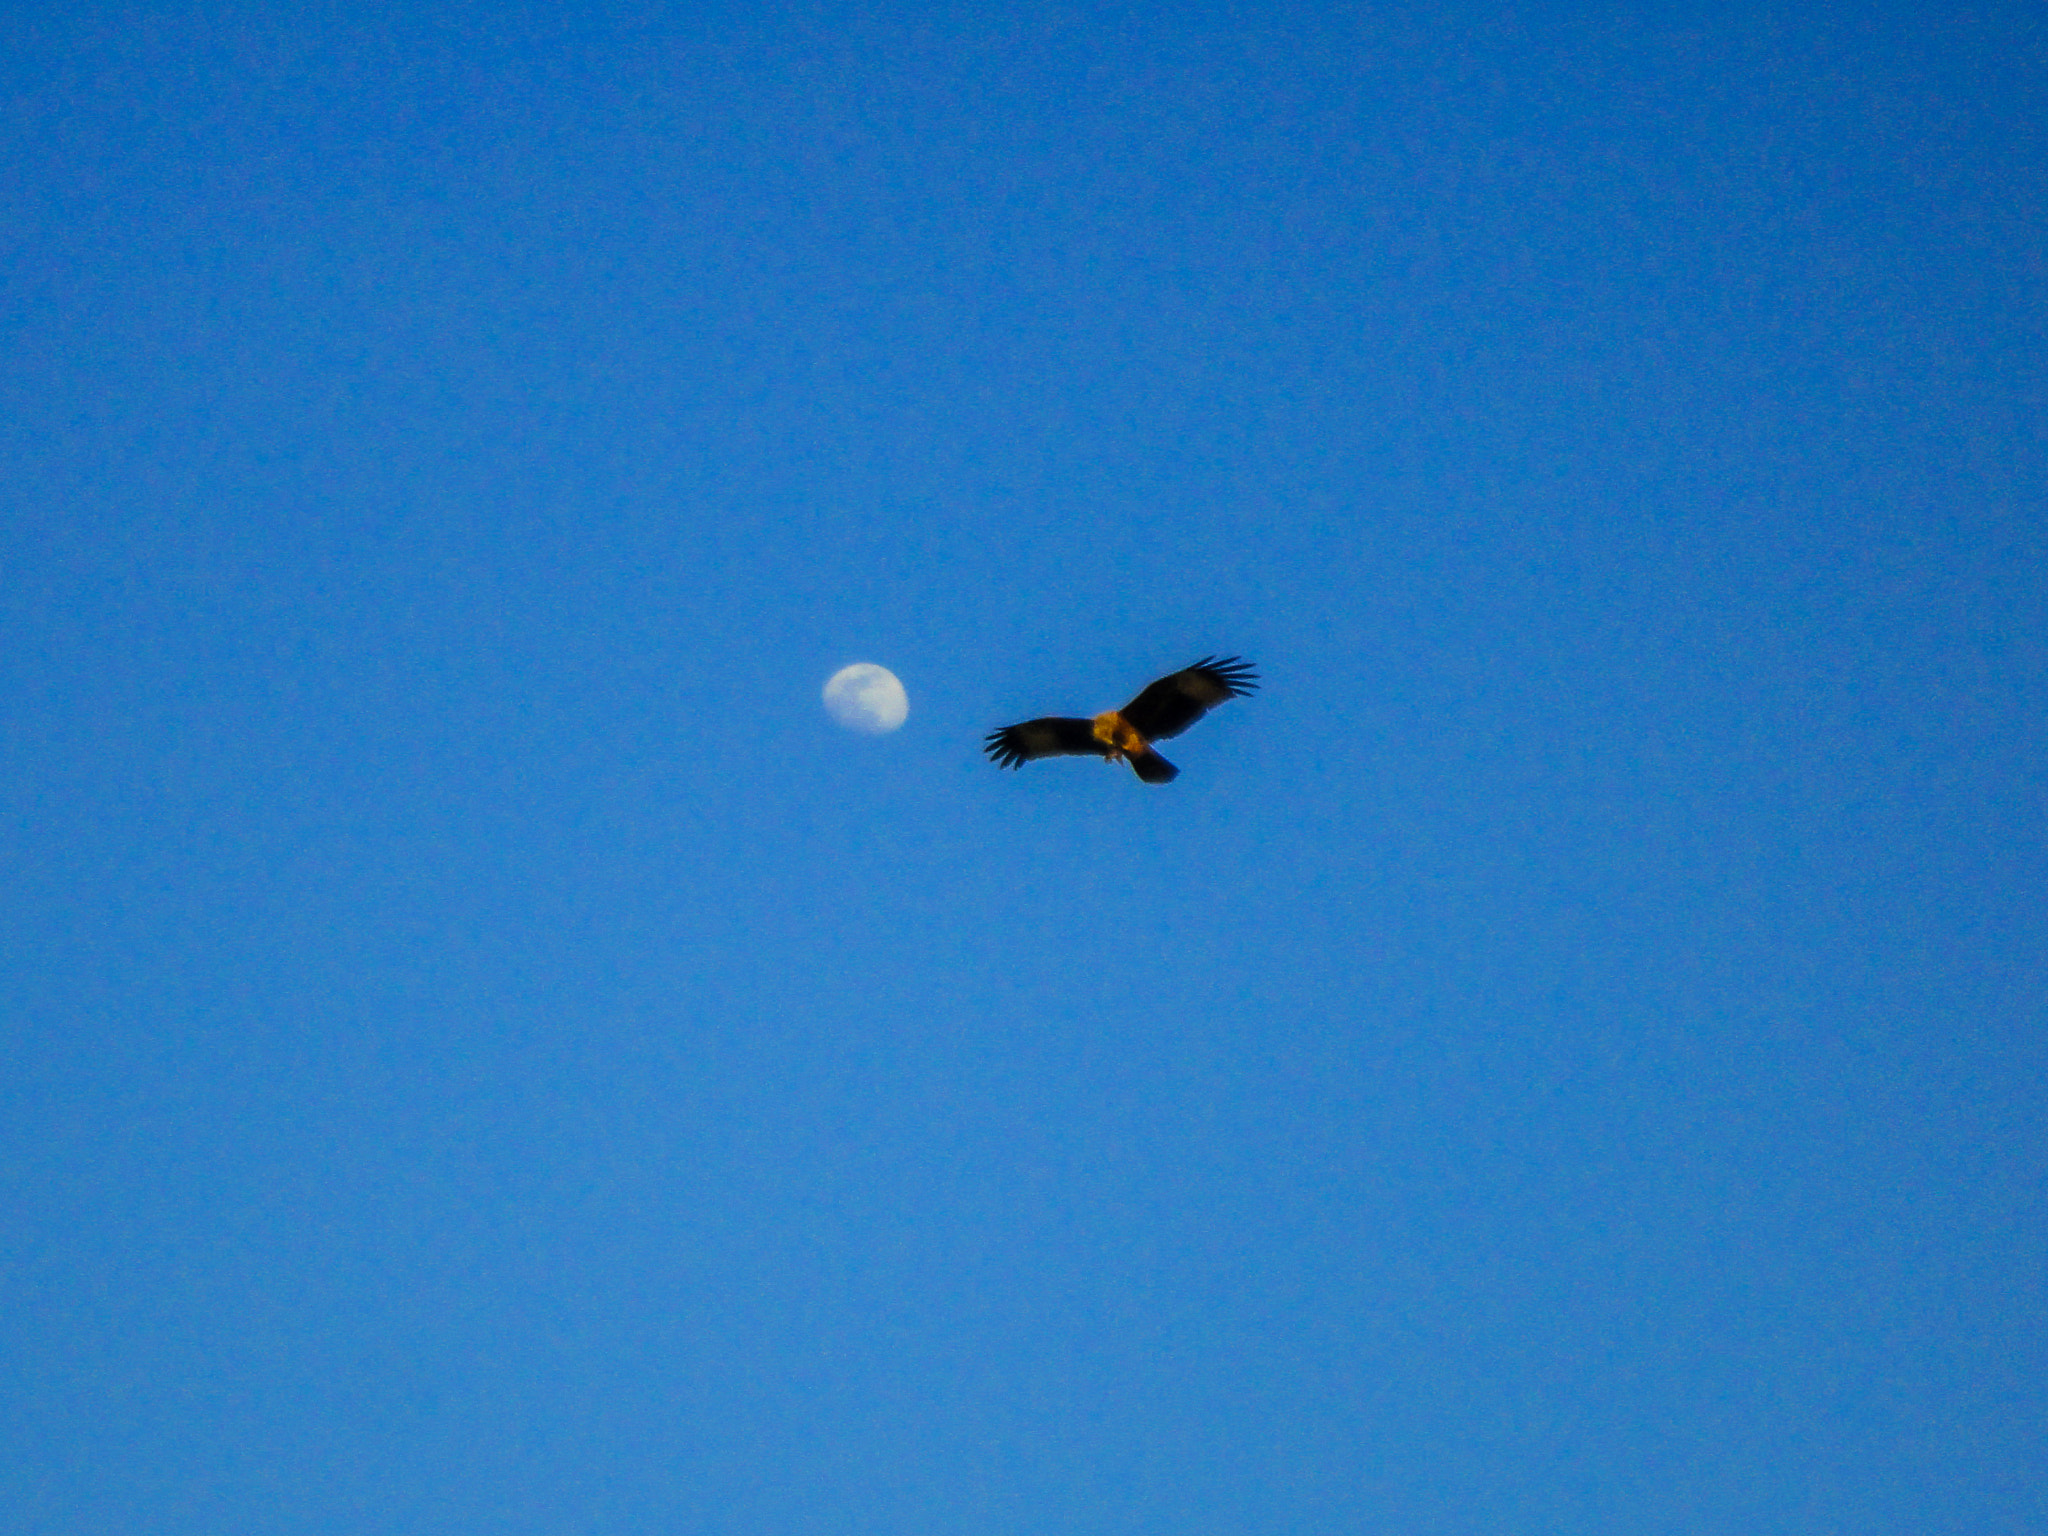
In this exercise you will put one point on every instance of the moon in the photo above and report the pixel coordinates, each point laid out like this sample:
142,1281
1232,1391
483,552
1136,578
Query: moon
867,698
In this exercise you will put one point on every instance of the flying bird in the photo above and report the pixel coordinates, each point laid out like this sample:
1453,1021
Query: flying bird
1164,709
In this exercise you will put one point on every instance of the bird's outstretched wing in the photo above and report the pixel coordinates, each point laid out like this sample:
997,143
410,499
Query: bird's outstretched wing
1177,701
1054,736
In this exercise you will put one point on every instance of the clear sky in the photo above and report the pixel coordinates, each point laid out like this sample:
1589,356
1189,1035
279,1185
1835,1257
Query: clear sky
481,1050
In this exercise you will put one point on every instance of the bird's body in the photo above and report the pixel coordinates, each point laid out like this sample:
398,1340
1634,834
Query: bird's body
1162,710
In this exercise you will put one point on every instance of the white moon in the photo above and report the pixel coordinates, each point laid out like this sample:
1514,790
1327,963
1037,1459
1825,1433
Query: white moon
867,698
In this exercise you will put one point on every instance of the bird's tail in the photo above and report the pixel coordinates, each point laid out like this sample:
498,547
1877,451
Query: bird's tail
1151,767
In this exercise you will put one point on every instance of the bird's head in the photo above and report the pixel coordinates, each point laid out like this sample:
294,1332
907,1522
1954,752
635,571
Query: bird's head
1117,734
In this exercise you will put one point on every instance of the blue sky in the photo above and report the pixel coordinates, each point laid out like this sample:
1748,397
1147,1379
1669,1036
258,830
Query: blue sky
482,1051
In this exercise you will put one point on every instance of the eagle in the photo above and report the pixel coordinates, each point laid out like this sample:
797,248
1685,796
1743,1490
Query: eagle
1162,710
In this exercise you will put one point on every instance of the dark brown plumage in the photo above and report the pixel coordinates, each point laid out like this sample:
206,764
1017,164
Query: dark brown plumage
1161,711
